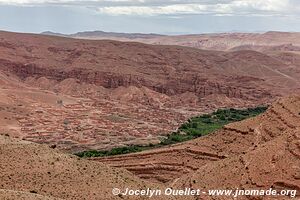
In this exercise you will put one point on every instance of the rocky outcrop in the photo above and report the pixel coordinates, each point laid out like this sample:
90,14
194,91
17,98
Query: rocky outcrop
174,85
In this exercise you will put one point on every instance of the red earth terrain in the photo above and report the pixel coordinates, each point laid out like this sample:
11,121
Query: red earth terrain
86,94
258,153
36,172
72,95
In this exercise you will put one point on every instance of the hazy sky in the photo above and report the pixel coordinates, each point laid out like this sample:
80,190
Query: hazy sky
155,16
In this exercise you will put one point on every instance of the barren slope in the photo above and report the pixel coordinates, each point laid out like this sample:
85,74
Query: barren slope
33,168
272,165
17,195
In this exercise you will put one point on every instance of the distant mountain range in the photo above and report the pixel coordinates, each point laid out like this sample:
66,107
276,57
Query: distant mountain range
97,34
269,41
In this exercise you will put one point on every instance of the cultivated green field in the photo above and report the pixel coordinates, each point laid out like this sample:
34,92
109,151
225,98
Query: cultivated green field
195,127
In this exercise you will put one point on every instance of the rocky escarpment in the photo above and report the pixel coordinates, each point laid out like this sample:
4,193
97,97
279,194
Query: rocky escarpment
171,70
177,83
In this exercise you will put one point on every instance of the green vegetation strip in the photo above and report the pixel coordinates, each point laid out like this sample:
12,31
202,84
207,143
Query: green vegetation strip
193,128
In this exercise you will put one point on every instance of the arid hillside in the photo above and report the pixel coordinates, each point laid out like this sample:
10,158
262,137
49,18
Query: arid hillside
33,171
261,152
86,94
272,40
235,41
20,195
282,45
